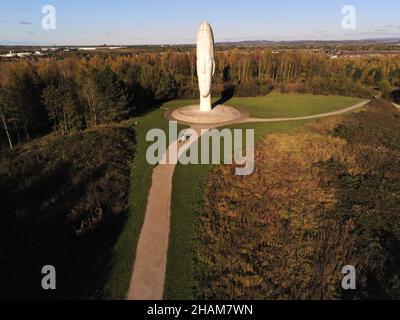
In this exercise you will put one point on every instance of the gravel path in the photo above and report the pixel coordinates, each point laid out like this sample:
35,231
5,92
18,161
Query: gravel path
316,116
147,282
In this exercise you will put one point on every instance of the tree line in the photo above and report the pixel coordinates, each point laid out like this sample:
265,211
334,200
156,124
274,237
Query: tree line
74,92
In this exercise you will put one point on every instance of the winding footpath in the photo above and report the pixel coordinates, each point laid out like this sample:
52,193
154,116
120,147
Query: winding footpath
147,282
148,277
316,116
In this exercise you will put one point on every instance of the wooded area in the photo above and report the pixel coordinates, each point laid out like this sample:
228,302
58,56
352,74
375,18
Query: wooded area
82,91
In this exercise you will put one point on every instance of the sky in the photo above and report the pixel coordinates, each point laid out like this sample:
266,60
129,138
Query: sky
133,22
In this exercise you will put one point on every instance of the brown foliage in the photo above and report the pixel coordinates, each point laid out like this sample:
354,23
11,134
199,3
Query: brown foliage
317,201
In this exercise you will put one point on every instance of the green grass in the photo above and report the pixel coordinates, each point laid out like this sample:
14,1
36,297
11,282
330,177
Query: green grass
188,187
277,105
141,173
179,103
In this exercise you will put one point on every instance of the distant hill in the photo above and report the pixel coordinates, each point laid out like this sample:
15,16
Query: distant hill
311,42
372,41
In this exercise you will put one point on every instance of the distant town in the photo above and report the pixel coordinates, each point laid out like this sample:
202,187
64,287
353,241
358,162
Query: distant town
29,52
333,49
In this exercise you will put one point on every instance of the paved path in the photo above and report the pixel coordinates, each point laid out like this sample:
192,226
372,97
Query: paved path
316,116
148,277
147,282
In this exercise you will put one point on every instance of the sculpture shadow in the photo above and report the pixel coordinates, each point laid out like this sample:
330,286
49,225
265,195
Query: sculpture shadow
226,95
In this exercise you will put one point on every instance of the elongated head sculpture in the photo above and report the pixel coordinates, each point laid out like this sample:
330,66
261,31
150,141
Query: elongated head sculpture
205,64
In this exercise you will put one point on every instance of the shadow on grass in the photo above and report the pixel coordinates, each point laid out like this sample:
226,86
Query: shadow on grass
226,95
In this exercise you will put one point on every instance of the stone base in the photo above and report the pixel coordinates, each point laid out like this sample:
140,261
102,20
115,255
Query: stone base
193,115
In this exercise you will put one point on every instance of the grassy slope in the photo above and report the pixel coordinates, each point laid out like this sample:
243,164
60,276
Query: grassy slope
278,105
63,202
141,172
187,191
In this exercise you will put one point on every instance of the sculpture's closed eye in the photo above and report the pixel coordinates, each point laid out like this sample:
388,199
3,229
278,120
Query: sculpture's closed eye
204,65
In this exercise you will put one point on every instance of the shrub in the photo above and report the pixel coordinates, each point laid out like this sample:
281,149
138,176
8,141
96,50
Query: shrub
63,202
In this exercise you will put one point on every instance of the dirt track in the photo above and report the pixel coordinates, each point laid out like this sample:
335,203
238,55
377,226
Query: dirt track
317,116
148,276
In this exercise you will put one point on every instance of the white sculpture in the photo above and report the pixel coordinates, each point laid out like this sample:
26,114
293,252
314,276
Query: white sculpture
206,115
205,64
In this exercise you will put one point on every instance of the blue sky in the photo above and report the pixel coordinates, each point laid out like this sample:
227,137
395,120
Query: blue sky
176,21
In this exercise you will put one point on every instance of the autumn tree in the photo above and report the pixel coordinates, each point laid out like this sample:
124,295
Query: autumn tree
62,108
5,117
22,94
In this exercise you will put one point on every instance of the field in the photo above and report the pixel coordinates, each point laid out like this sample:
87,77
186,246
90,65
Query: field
277,105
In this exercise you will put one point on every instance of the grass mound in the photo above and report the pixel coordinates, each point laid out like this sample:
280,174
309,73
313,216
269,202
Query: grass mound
63,203
277,105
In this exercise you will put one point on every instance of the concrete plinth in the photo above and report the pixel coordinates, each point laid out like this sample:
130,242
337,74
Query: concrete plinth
193,115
